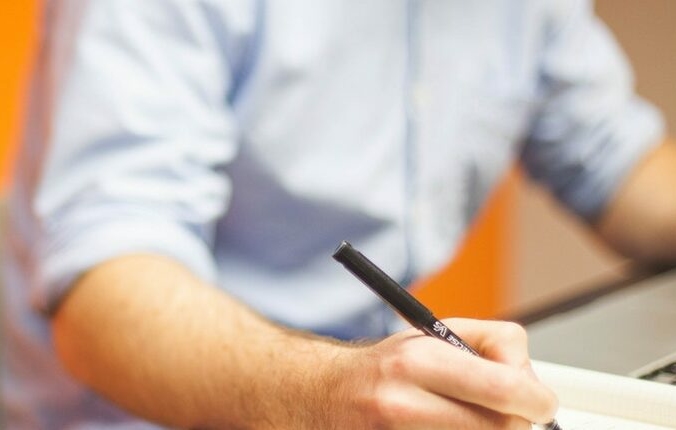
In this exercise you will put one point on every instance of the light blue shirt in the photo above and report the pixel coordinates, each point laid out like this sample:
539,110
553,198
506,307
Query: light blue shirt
246,139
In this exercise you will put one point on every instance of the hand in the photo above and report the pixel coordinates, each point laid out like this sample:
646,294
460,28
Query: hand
413,381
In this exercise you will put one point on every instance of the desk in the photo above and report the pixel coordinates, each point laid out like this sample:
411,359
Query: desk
615,333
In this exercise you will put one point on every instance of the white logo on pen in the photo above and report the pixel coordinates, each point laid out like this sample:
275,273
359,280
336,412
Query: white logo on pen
440,328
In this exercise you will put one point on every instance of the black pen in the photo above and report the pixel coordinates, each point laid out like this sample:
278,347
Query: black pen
404,303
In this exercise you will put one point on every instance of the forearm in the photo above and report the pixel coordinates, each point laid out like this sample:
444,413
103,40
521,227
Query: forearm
155,340
640,221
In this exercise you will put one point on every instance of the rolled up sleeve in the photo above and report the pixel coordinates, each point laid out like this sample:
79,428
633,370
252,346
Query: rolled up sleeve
140,134
591,127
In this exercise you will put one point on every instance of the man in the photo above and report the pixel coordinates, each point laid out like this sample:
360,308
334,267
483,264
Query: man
193,164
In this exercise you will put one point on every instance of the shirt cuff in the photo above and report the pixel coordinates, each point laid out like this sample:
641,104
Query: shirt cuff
63,262
606,168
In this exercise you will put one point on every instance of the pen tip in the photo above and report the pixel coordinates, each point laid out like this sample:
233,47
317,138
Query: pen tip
553,426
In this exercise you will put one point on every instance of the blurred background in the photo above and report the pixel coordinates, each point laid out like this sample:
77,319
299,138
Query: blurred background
523,254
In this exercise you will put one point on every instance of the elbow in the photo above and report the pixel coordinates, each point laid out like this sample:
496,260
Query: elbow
662,251
652,242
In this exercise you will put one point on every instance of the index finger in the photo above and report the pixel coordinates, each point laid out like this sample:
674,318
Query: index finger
496,386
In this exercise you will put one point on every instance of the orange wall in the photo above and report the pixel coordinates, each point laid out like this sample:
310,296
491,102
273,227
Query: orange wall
477,282
18,37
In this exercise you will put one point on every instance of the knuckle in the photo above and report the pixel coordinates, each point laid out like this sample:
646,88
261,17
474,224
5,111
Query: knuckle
453,321
502,387
514,332
386,409
398,365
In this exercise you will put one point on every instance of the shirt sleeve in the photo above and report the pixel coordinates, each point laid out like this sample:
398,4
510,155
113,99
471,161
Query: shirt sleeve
140,132
591,127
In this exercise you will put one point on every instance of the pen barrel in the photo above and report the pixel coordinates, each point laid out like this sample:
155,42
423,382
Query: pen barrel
437,329
380,283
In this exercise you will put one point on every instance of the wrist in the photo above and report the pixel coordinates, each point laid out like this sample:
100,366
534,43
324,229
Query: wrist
321,393
296,380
